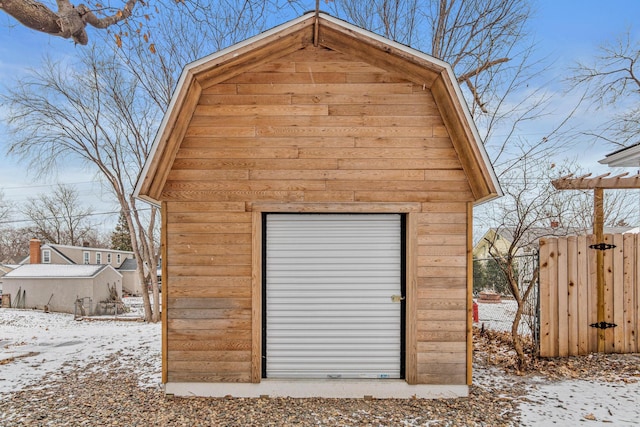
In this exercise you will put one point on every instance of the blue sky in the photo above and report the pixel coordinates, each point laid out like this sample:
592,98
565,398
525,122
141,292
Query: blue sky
566,31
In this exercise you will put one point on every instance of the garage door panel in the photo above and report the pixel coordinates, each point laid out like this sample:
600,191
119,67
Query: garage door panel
329,282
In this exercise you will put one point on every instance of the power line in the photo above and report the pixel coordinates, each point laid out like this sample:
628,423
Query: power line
73,216
47,185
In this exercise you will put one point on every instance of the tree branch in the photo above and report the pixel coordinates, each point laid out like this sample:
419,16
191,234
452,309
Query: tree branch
68,22
466,76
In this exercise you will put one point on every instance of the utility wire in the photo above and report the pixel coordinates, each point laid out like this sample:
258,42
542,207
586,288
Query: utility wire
15,221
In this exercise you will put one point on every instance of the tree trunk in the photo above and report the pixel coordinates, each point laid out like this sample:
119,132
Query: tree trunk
126,209
515,336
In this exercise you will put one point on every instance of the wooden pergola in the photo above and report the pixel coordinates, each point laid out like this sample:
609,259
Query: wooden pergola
598,184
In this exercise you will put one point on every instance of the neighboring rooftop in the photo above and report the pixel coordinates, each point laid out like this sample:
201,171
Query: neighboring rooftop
128,264
86,248
625,157
51,271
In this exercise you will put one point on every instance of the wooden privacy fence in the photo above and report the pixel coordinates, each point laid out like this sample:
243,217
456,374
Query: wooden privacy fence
568,295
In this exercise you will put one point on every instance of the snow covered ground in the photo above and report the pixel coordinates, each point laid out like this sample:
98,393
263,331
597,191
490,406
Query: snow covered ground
572,402
36,346
40,345
566,402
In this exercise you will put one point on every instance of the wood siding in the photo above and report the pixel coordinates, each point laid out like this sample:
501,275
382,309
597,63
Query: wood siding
568,295
313,128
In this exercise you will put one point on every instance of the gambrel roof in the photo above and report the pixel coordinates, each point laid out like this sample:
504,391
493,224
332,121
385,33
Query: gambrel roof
328,32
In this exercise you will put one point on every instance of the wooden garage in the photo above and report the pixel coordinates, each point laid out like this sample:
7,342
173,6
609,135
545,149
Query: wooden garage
317,184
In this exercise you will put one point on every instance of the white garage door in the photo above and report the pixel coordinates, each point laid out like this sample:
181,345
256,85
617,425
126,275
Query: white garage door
330,287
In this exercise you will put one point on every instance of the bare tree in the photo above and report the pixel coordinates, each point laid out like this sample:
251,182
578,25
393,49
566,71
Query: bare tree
612,82
522,209
477,37
96,113
59,217
5,209
14,244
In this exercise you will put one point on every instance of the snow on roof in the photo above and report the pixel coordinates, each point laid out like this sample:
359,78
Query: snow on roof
49,271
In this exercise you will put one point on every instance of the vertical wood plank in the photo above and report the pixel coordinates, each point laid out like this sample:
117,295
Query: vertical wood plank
628,255
594,336
608,306
256,297
553,297
583,292
561,315
165,290
411,294
617,286
544,298
572,294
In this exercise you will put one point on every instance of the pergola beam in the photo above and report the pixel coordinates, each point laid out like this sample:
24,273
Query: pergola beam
604,181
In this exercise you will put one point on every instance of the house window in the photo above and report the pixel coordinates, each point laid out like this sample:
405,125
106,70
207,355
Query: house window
108,258
118,259
46,256
86,257
98,258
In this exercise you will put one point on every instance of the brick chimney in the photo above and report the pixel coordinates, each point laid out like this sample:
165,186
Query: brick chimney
35,256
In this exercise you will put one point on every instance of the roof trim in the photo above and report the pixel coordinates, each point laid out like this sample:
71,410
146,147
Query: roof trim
625,157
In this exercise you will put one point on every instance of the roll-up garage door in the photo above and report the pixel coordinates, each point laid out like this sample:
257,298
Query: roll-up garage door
333,290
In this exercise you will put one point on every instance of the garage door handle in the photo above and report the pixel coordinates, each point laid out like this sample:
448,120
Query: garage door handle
397,298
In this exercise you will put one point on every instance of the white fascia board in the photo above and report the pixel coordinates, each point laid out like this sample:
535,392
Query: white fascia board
627,157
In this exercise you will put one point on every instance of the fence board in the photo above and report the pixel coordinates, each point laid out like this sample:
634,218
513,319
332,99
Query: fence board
568,295
562,314
572,294
545,312
629,297
617,286
609,336
593,292
582,280
553,297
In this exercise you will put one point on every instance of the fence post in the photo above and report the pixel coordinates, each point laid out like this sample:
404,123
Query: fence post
598,230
